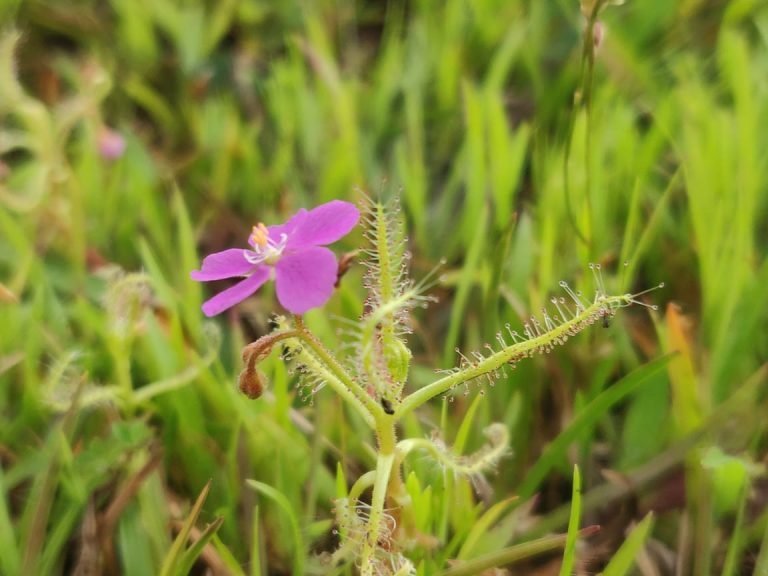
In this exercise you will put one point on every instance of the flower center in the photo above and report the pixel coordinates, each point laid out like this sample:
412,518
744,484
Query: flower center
260,235
265,249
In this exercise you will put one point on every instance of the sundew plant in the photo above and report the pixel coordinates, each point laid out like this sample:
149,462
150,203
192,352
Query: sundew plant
304,287
377,529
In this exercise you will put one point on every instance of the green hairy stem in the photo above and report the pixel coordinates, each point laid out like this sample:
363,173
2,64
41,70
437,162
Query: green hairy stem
512,354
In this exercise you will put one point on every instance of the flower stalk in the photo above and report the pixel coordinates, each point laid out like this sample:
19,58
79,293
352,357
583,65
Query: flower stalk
338,378
385,432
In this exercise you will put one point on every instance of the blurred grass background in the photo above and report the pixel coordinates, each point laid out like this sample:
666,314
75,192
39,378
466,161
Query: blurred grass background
118,400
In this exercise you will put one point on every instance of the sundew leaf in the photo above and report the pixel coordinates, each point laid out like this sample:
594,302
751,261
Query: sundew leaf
383,356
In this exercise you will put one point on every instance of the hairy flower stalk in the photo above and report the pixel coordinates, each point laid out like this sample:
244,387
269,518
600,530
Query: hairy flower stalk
373,383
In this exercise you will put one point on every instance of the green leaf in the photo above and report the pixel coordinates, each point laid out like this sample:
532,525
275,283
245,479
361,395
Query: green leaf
277,497
481,526
188,558
10,560
506,556
585,419
173,562
625,556
569,557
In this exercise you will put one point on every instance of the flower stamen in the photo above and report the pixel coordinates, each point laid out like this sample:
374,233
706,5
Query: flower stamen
260,235
265,249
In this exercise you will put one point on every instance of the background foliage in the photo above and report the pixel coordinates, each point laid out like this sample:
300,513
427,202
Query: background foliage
118,401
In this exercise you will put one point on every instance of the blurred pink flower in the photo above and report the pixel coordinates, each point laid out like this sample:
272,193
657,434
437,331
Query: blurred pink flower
111,144
294,253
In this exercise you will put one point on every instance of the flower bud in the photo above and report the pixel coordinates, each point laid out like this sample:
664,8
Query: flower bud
252,382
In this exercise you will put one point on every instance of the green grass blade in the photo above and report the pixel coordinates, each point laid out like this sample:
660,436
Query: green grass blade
480,528
172,562
465,283
462,435
506,556
232,564
625,556
585,419
10,560
282,501
569,557
738,539
256,545
190,555
761,565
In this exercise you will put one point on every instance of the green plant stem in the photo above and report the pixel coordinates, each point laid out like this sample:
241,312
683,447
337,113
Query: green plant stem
583,98
361,485
385,431
342,382
588,70
497,360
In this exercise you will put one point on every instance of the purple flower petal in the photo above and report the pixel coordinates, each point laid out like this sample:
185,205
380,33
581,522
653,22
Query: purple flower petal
288,228
236,293
220,265
305,279
323,225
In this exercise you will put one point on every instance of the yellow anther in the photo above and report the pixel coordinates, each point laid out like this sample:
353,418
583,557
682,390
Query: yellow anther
259,235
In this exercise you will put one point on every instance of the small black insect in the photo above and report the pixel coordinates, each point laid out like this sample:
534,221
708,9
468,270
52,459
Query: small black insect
387,405
606,320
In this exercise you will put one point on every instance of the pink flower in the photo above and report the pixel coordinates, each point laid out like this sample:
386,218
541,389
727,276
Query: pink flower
294,253
111,144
